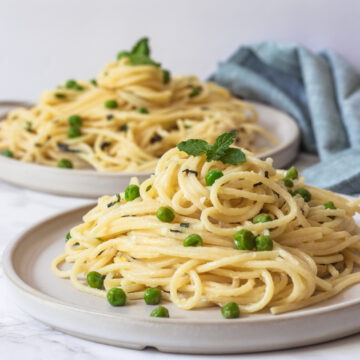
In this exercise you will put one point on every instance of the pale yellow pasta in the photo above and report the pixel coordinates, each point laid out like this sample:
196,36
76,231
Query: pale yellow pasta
124,139
315,251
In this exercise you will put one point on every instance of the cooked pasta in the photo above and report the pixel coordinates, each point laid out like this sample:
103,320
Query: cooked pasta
126,119
305,246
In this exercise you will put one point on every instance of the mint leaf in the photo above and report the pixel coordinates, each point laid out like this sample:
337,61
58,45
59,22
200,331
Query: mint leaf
221,144
139,54
194,147
140,59
220,151
141,47
122,54
166,76
233,156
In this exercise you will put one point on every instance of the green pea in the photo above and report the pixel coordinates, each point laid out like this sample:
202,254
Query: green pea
305,194
329,205
75,120
70,84
73,85
111,104
64,163
166,76
95,279
193,240
132,192
165,214
244,240
142,110
292,173
74,132
261,218
67,237
7,153
116,297
264,243
230,310
28,125
212,176
195,91
288,183
160,311
152,296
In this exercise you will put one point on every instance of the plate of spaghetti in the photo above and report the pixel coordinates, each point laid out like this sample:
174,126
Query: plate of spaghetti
97,134
216,252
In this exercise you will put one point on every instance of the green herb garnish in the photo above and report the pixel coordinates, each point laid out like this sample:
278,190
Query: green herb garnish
195,91
230,311
166,76
330,205
160,311
292,173
118,199
95,279
123,127
139,54
116,297
111,104
28,126
7,153
73,85
152,296
75,120
64,163
184,225
220,151
142,110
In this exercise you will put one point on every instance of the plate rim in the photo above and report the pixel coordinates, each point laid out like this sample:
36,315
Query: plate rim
12,276
94,173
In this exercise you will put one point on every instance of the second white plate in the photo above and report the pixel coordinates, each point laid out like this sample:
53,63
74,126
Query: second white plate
92,184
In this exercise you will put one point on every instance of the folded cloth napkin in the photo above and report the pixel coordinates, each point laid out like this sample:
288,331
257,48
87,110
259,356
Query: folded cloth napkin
321,91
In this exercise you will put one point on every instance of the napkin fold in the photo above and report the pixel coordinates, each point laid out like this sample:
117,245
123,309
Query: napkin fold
321,91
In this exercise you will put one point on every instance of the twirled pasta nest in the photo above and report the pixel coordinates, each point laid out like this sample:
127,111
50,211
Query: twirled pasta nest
312,255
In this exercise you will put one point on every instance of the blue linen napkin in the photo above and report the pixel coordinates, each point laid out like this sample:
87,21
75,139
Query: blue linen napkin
321,91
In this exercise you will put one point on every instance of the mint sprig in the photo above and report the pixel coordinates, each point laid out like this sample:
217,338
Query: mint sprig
220,151
139,54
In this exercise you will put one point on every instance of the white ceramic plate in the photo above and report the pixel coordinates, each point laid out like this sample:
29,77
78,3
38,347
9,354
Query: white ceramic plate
55,302
90,183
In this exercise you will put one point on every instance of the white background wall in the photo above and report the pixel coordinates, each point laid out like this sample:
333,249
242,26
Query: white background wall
44,42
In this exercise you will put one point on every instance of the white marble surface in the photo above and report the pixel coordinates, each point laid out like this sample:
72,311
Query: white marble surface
22,337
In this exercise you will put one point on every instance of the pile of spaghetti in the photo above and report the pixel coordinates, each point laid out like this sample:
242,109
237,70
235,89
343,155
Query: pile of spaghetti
311,247
126,118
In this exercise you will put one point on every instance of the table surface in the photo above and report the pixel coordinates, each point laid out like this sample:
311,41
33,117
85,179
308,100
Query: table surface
23,337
